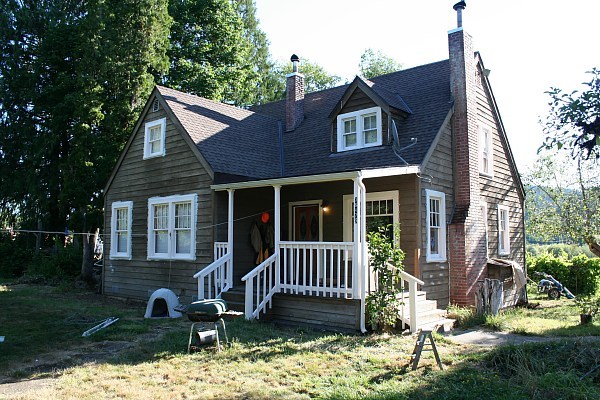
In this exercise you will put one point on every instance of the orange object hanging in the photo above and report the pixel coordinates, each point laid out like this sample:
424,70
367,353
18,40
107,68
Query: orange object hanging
265,217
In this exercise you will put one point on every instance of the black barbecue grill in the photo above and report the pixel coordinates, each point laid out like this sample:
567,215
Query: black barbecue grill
203,311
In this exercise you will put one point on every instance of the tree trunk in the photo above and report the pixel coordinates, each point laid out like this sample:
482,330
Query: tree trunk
87,265
594,247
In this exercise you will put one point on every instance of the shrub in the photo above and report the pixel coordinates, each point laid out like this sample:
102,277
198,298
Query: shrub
580,274
558,250
13,259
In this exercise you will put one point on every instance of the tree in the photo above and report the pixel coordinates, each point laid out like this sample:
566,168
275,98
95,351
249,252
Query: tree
376,63
209,52
73,77
563,201
574,120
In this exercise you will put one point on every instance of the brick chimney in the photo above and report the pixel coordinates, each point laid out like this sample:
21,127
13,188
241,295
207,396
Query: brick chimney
294,96
466,231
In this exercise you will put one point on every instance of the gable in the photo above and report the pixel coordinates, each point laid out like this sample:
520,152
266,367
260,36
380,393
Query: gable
181,165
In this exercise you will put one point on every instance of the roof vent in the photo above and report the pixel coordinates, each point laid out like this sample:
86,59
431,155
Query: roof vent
155,105
458,7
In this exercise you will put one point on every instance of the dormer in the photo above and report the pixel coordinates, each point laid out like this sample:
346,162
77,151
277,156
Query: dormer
363,116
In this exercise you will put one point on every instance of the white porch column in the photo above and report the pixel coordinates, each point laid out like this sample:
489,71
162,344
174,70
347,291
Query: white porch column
230,238
277,223
356,239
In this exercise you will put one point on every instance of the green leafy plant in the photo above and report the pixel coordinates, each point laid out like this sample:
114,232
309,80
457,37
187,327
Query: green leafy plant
588,305
385,260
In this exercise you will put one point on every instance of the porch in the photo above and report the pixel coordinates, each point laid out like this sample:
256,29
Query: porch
335,271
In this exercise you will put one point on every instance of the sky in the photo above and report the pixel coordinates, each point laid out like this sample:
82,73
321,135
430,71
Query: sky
529,46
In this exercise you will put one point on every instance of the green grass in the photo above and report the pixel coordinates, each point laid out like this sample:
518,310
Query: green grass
137,358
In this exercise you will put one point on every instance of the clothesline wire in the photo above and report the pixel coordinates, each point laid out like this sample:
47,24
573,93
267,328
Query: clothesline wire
69,233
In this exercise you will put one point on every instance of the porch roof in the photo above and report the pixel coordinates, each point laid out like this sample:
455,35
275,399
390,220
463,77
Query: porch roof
338,176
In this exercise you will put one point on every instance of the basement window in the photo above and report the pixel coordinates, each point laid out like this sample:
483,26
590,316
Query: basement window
154,138
359,129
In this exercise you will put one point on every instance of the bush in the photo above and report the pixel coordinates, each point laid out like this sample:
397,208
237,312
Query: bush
64,262
558,250
580,274
14,259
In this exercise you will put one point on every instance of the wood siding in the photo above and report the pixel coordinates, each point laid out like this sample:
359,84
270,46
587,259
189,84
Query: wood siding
440,168
501,189
179,172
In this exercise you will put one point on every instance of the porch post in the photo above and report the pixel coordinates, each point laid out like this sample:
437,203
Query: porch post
230,238
277,223
356,238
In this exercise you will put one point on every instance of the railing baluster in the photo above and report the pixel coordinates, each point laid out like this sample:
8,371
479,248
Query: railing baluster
296,282
303,271
310,273
331,276
339,266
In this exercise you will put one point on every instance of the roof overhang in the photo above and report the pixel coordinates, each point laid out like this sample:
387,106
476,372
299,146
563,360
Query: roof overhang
336,176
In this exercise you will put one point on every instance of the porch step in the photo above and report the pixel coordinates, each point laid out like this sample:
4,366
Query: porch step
428,315
235,299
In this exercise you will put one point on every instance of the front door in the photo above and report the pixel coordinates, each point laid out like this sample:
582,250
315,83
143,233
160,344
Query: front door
306,222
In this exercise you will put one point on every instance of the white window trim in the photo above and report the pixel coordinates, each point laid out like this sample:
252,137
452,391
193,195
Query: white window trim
114,254
484,211
147,148
359,129
504,248
171,201
348,199
490,146
441,257
291,206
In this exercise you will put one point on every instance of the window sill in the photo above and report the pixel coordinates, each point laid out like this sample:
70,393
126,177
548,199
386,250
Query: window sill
504,253
149,156
435,259
486,175
167,258
119,257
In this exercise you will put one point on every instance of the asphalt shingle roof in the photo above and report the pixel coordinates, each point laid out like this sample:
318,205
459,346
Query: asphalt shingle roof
246,142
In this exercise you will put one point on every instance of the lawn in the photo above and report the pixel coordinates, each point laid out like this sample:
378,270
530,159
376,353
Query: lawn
137,358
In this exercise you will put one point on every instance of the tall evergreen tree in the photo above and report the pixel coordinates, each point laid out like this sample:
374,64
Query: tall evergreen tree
73,76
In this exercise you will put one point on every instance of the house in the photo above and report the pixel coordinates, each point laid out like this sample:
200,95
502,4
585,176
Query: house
269,207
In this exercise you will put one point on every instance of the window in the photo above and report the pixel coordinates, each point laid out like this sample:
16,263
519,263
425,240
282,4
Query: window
485,151
171,227
382,209
503,231
359,129
436,226
485,225
154,138
120,230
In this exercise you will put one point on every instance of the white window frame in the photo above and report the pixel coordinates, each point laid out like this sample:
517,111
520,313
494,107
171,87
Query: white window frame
503,245
486,148
115,254
441,255
348,199
359,117
171,201
484,215
162,123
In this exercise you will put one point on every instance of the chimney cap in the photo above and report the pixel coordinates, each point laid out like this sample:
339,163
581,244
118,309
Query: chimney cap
461,5
294,58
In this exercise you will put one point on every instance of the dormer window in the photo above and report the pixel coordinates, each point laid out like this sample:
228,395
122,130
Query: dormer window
154,138
359,129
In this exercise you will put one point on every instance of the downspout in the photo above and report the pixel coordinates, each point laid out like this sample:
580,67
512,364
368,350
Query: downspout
363,250
281,160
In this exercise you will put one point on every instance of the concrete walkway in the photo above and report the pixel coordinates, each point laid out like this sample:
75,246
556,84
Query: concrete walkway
489,338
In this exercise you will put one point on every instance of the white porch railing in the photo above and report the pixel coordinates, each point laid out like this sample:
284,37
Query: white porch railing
261,285
317,268
217,277
220,249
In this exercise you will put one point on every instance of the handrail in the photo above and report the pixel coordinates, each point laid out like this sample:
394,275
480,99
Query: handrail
412,299
217,277
264,272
